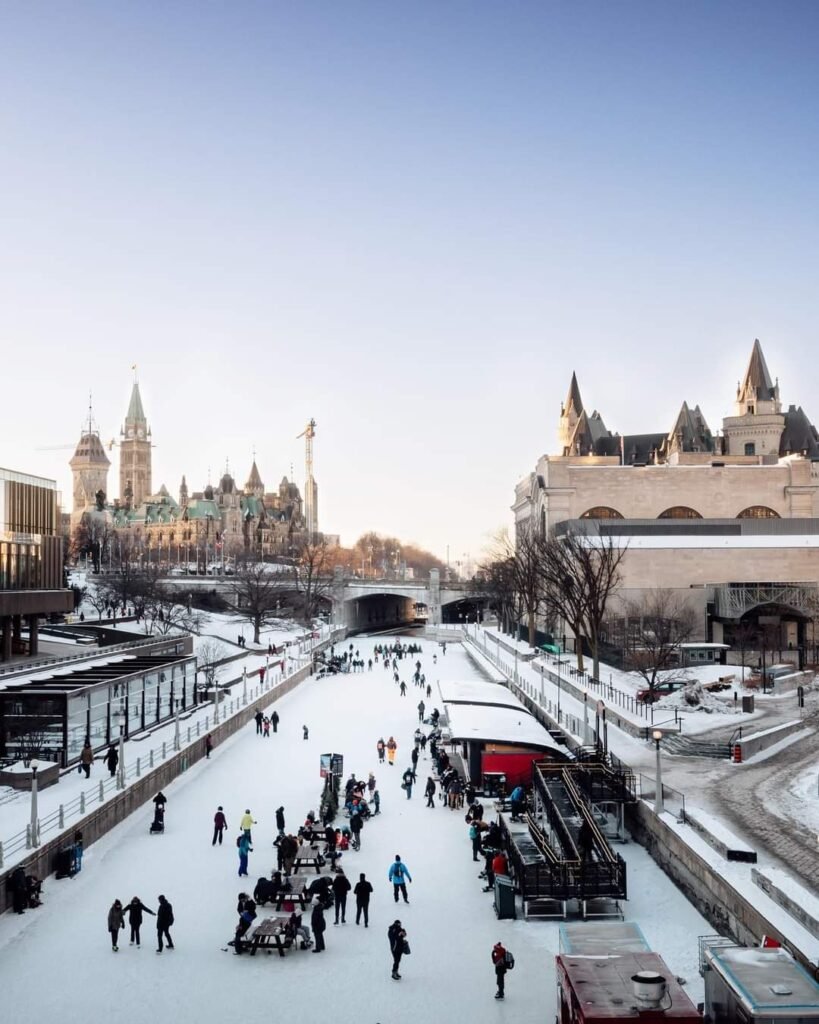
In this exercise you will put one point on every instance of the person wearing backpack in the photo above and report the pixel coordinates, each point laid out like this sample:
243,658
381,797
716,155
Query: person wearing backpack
475,836
244,847
503,961
164,920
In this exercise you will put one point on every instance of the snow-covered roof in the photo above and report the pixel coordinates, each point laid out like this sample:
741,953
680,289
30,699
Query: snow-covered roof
475,691
498,725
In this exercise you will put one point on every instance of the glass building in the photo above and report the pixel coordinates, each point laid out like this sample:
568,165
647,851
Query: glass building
50,716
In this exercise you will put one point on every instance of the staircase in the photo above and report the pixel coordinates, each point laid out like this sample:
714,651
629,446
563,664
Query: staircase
692,746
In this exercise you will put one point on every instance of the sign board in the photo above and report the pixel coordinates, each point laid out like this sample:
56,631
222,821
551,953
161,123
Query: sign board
331,764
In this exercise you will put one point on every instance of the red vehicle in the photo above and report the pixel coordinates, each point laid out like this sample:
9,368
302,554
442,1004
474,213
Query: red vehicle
661,689
611,989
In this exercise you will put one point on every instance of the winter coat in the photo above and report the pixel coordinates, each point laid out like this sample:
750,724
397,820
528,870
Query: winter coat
355,823
219,820
112,758
280,820
517,796
135,911
430,787
247,822
399,873
274,718
164,915
116,919
317,919
341,886
396,936
244,846
87,755
362,892
500,865
498,955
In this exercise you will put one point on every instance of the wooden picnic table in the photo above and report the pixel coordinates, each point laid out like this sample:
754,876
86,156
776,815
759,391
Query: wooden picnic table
270,932
297,894
308,857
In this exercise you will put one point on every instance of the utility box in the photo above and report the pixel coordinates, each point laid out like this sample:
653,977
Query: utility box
748,704
65,862
504,897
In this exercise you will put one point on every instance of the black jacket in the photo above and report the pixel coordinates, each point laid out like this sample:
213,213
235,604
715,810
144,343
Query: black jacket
135,911
396,934
317,919
341,885
164,915
362,892
280,820
355,823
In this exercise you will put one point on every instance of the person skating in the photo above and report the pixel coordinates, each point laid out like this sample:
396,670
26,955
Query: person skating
306,736
116,920
280,820
429,791
208,746
243,844
112,760
164,920
341,886
421,709
499,959
399,876
407,780
318,924
274,721
392,746
247,823
397,939
356,823
136,908
87,758
362,892
381,747
219,825
403,688
377,802
475,836
259,719
371,784
266,727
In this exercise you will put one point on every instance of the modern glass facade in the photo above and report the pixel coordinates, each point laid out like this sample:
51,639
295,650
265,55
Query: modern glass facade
51,717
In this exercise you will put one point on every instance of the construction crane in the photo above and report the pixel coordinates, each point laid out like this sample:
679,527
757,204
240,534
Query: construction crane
308,434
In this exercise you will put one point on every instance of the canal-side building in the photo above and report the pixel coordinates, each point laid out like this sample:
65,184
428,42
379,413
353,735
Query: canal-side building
31,561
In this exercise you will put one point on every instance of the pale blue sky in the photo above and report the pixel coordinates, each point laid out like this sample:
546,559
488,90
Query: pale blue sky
409,221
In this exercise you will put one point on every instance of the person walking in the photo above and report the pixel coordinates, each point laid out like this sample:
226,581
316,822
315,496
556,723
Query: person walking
414,759
380,747
219,825
280,820
318,924
356,823
403,688
499,959
376,802
164,920
362,892
421,709
475,836
258,718
116,920
392,746
341,886
399,876
247,823
87,758
398,946
306,736
245,849
274,721
136,908
429,690
112,760
208,746
407,780
429,791
371,785
266,727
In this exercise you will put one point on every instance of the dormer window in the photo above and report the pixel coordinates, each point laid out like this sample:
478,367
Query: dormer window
750,410
750,448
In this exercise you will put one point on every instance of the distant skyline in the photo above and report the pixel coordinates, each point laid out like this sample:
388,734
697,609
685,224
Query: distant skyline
408,222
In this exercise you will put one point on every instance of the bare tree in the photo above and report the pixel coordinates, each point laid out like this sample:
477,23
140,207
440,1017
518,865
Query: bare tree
99,597
496,581
744,640
660,622
209,654
579,576
257,593
313,577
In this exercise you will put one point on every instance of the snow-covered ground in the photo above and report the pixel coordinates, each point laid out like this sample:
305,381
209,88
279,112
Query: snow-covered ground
450,923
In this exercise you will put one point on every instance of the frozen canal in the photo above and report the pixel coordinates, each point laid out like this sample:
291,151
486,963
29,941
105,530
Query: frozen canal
56,962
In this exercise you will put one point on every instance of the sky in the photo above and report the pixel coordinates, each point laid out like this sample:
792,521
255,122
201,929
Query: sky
409,222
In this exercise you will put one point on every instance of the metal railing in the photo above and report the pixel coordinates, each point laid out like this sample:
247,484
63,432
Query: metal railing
673,799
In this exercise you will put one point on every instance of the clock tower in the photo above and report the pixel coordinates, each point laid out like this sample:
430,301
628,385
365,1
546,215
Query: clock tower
135,453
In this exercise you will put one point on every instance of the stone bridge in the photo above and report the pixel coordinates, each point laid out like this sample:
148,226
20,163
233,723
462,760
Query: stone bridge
364,603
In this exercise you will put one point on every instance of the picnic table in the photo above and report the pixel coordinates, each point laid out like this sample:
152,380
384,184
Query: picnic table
297,894
269,934
309,857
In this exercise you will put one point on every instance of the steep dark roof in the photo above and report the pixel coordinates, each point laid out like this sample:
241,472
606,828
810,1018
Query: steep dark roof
691,431
136,414
799,435
573,398
639,449
757,381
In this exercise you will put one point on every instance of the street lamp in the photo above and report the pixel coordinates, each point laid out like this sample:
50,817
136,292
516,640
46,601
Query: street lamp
659,807
177,743
121,717
35,824
244,684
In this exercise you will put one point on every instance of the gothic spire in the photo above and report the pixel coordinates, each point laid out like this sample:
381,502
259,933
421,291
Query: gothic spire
573,399
757,381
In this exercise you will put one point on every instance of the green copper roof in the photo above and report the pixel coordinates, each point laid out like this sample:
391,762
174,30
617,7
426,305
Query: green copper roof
136,413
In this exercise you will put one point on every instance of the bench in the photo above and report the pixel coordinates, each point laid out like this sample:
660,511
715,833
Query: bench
270,934
309,858
728,845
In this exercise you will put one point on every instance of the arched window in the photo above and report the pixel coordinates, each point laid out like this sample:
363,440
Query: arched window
601,512
679,512
543,522
758,512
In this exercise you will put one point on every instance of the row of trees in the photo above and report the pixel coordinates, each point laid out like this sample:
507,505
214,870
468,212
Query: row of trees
571,579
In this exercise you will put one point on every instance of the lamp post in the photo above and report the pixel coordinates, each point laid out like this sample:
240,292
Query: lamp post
558,691
215,701
121,762
177,743
244,684
659,807
35,824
